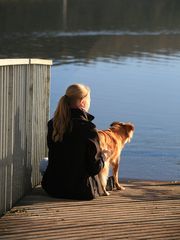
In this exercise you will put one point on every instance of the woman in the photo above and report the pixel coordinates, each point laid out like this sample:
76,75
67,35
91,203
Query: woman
74,155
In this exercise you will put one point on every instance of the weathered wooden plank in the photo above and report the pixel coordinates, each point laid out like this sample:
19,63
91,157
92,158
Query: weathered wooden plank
40,61
14,61
21,108
145,210
24,61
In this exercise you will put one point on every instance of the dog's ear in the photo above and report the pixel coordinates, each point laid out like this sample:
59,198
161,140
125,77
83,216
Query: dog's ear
114,124
129,131
129,127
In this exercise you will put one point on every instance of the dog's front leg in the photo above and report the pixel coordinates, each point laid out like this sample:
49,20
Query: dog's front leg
116,175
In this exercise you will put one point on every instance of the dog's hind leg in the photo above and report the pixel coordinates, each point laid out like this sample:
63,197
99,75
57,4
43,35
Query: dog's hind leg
115,166
103,176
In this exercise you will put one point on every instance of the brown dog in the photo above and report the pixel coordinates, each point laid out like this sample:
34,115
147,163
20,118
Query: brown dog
112,142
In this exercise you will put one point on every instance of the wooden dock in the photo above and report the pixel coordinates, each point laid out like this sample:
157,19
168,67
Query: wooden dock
145,210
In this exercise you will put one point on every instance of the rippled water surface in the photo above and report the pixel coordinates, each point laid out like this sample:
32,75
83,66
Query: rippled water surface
128,52
145,92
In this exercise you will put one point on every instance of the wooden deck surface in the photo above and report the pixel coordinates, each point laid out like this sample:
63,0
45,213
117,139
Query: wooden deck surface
145,210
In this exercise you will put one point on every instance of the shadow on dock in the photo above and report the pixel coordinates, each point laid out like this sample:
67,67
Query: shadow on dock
145,210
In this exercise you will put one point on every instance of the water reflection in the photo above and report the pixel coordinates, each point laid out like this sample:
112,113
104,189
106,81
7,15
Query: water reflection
80,15
82,31
84,49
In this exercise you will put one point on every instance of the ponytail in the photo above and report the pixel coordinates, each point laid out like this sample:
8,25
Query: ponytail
61,120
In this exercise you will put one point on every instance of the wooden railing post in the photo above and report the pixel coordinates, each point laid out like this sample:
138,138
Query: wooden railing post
24,112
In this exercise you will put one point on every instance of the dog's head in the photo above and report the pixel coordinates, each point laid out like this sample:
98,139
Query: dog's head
124,130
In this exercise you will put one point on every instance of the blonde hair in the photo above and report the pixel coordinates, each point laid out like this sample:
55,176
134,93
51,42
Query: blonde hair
62,115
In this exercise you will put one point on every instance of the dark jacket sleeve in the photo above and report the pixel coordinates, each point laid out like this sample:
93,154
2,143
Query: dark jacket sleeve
95,160
94,157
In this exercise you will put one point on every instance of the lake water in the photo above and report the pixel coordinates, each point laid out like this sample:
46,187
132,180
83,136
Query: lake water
145,92
128,52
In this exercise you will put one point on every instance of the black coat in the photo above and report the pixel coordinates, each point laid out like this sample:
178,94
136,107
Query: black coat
72,163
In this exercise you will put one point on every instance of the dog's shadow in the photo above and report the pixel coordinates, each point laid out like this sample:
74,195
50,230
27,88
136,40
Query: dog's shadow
150,191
